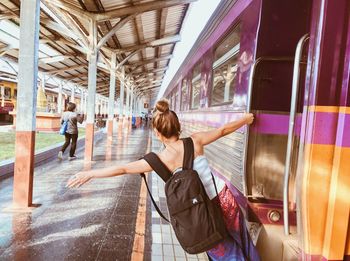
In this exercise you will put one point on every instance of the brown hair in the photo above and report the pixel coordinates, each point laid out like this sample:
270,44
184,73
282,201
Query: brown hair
71,106
166,121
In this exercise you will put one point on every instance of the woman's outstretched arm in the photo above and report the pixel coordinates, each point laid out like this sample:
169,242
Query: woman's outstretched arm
135,167
207,137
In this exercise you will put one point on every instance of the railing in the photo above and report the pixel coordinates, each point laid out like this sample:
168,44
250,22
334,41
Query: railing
295,90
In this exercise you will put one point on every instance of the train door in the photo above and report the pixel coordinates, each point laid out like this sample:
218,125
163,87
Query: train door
276,99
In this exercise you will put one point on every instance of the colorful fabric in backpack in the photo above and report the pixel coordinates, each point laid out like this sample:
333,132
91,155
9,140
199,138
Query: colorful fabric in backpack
197,221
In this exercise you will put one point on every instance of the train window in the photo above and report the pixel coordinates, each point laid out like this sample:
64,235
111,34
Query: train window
196,86
225,68
7,93
15,94
175,99
168,98
171,101
183,94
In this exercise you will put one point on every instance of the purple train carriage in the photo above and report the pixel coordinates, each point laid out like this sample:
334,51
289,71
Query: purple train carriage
288,62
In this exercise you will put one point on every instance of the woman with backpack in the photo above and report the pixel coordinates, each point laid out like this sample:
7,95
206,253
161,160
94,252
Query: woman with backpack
238,244
71,133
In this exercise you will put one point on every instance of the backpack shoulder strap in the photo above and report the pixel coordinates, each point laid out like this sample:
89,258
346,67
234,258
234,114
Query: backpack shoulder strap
188,153
158,166
153,201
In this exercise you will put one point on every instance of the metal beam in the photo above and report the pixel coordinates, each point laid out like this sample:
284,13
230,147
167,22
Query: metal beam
126,59
7,16
65,42
58,28
70,8
75,77
146,85
141,63
4,50
149,85
79,32
139,80
140,8
145,74
115,28
152,71
56,58
66,69
163,13
151,88
158,42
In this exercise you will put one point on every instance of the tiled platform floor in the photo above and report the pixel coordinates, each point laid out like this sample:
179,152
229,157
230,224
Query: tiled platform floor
95,222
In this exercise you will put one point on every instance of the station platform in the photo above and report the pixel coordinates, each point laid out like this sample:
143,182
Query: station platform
106,219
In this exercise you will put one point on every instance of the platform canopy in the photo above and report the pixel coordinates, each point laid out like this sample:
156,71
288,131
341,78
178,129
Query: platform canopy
142,34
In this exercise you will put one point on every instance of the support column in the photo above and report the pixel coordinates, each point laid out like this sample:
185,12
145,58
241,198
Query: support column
111,98
26,104
127,102
73,94
131,101
105,107
139,104
121,95
59,100
82,101
80,108
85,102
2,96
97,101
102,110
90,120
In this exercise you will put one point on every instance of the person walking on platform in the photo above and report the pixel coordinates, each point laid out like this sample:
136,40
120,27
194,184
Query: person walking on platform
238,244
71,134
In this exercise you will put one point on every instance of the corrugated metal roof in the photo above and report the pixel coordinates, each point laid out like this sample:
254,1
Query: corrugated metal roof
64,28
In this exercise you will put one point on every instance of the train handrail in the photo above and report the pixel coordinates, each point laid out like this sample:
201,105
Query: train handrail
295,89
248,108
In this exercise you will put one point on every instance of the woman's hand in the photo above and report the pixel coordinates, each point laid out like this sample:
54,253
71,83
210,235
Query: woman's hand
249,118
79,179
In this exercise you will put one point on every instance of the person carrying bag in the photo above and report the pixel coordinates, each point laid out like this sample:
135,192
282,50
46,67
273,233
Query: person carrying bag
201,195
196,220
69,129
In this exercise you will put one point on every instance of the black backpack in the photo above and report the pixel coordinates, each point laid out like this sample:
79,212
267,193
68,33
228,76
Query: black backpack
197,221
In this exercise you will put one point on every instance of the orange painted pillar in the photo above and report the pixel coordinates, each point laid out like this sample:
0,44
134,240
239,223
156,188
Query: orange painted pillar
26,104
109,140
24,169
110,129
89,141
111,100
90,119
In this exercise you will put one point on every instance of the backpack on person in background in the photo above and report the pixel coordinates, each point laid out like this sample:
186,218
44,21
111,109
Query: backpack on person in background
197,221
64,127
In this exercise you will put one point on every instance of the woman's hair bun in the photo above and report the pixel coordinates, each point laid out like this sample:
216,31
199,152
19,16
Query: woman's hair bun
162,105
